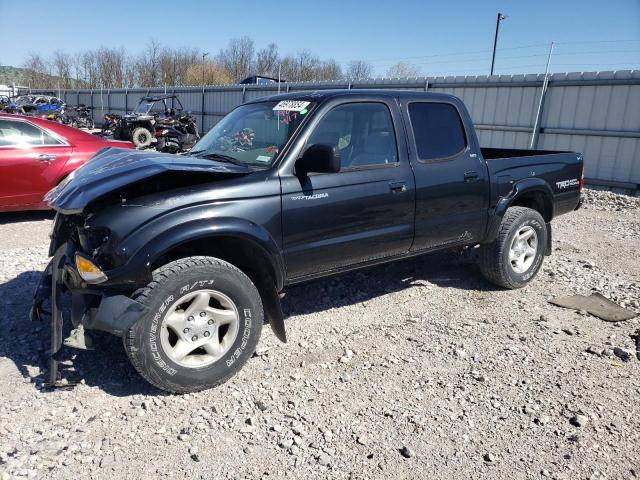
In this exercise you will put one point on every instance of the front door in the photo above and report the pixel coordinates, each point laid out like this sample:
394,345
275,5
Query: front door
362,213
30,163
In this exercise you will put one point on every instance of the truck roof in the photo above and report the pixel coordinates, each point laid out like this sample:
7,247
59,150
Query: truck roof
323,95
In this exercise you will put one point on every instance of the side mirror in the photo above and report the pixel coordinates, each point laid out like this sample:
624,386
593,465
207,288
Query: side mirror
319,159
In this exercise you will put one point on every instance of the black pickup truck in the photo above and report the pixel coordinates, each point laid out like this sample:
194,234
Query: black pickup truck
184,257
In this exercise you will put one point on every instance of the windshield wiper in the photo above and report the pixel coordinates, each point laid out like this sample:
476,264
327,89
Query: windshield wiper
218,156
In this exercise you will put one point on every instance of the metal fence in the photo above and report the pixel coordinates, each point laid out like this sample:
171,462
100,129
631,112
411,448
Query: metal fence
596,113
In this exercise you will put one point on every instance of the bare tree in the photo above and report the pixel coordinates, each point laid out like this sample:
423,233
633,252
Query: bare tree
62,68
267,61
90,69
358,70
158,65
329,70
215,74
403,70
36,72
237,58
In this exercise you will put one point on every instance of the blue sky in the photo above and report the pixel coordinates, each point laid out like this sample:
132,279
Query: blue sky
439,37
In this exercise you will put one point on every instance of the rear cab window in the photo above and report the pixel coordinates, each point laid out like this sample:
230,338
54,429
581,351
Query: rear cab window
438,130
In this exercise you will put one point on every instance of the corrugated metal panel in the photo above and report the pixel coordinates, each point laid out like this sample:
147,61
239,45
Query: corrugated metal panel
595,113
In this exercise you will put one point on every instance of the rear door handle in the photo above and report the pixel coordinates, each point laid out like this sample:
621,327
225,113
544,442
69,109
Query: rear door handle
470,176
46,157
398,187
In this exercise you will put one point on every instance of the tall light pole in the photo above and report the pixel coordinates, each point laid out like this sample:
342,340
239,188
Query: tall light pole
203,55
495,39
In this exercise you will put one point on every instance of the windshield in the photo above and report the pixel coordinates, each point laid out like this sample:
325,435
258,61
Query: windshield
253,134
144,107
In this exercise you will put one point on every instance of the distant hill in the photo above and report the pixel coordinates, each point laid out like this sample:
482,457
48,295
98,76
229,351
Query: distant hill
17,76
10,75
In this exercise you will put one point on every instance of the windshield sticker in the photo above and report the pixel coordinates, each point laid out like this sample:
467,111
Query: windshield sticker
287,117
263,158
291,105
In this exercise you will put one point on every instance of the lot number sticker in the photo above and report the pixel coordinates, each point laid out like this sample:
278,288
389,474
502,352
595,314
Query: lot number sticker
291,105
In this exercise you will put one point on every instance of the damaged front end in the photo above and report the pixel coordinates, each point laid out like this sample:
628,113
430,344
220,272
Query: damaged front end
88,306
91,278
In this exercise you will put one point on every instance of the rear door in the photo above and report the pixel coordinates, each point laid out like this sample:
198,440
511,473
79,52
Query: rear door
451,180
362,213
31,160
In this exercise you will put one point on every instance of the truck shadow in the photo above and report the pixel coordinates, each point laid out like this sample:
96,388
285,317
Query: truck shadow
25,343
445,269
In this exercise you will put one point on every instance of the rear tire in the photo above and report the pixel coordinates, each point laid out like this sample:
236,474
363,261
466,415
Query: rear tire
218,335
513,259
141,137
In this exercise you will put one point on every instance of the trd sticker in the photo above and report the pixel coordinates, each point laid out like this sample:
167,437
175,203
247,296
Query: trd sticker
574,182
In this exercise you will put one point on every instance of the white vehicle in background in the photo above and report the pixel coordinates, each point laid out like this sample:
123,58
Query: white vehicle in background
12,90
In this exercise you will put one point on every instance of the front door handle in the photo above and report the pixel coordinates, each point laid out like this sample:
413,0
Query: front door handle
470,176
46,157
398,187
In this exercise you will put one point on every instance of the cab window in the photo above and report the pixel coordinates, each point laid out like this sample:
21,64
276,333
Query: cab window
363,133
437,129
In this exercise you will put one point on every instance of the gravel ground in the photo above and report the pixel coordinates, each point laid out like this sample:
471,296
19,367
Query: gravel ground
419,369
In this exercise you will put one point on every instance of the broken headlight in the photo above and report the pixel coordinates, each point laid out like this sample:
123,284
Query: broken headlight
88,270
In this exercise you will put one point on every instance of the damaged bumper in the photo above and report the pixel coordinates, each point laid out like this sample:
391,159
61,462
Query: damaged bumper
95,309
91,308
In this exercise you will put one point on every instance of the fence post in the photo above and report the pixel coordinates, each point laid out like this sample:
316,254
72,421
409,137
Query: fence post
126,100
244,93
91,104
202,111
109,100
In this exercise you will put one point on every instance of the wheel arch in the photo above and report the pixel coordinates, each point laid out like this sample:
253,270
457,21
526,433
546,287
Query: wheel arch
532,193
243,244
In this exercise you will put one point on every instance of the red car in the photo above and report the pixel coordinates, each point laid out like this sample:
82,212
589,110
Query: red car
36,154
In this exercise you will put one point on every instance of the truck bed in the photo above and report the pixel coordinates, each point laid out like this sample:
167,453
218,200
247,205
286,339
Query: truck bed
561,171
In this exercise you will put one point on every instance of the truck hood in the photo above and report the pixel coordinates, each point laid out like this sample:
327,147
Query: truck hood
113,168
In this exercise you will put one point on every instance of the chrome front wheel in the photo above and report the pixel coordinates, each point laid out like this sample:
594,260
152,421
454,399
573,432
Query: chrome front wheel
199,328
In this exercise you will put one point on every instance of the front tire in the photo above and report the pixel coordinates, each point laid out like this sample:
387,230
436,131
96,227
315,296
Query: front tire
513,259
204,322
141,137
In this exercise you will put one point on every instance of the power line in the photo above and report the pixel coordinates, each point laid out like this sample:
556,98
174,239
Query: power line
486,51
534,65
514,57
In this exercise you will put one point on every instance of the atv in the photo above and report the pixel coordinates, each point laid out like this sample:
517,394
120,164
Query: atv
140,125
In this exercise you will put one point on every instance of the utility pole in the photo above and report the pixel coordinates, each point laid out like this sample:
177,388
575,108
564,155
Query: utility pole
204,54
495,39
545,83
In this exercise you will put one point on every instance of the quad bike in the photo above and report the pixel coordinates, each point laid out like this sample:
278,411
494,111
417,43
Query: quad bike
140,126
176,133
110,124
80,117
